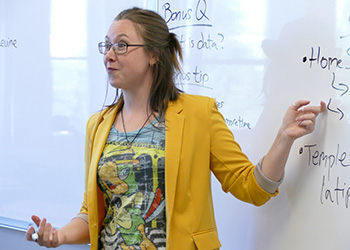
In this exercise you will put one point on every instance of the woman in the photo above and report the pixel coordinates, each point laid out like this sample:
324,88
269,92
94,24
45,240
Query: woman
149,156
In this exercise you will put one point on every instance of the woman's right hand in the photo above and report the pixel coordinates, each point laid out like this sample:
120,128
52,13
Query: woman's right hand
48,235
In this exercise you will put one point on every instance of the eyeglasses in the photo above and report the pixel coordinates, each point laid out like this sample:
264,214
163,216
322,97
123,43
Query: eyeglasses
118,47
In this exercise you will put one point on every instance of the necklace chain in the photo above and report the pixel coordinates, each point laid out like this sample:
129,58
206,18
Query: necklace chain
129,143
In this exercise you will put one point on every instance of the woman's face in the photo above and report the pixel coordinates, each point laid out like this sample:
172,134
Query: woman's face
133,70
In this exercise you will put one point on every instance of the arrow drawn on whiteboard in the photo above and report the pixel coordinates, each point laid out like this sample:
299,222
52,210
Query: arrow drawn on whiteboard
344,90
338,111
341,37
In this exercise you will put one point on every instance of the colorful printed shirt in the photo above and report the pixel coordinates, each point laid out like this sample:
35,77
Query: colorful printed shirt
133,184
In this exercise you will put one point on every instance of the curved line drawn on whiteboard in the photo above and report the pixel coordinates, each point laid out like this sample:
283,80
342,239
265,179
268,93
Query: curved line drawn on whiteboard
338,110
345,36
222,39
340,84
342,87
190,25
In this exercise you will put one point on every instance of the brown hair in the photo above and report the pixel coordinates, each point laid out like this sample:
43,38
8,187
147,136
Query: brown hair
158,40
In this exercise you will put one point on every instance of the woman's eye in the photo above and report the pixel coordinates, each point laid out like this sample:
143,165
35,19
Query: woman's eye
121,45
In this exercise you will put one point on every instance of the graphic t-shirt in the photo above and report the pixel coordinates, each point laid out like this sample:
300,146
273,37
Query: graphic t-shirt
133,184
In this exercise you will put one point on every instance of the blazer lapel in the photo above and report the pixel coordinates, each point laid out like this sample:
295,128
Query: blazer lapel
99,137
101,131
174,123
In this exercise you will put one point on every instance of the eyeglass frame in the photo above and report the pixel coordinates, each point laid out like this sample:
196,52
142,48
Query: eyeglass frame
111,45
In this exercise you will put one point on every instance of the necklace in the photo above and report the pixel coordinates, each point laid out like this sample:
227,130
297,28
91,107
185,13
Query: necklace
129,143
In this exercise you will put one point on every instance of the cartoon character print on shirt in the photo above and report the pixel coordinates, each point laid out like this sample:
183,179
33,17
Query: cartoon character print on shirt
133,203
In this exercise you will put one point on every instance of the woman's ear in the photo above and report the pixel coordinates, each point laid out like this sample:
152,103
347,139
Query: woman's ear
153,58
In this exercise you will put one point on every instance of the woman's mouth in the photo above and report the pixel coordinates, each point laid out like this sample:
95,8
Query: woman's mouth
111,70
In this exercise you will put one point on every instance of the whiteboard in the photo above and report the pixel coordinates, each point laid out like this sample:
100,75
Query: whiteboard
256,61
257,58
52,79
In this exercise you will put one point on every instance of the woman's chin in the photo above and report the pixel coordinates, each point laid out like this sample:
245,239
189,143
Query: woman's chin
115,84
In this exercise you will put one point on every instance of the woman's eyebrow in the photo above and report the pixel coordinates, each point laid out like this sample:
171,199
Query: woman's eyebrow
119,36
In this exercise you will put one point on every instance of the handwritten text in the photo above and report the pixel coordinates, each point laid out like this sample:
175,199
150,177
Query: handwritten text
8,43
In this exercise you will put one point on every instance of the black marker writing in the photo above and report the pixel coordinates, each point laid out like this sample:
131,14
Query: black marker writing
318,59
334,190
220,104
200,13
8,43
237,122
201,10
342,87
338,195
203,41
327,160
197,77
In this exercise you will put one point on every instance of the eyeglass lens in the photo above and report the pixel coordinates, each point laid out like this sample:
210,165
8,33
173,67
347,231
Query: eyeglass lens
118,48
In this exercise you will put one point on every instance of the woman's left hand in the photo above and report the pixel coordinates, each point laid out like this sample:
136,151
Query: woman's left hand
300,120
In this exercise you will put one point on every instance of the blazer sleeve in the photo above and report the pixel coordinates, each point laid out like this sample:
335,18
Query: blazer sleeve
230,165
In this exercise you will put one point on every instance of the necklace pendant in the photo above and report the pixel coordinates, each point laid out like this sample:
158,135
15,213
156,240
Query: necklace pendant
128,143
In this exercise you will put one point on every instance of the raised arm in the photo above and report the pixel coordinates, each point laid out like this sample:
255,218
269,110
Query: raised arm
298,121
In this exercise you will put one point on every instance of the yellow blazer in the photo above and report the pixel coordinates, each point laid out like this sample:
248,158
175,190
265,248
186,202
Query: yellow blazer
197,142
